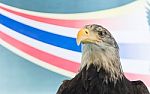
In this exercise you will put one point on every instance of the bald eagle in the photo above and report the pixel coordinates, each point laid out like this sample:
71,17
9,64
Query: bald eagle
100,71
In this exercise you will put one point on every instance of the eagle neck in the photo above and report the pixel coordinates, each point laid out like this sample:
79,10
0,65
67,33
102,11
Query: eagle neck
106,58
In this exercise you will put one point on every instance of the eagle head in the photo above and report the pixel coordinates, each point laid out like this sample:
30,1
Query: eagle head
96,34
100,49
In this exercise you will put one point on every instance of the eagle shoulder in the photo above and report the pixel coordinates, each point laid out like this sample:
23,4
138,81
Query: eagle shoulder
139,87
63,86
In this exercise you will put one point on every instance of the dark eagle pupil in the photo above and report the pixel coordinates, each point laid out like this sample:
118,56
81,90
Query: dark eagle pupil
102,33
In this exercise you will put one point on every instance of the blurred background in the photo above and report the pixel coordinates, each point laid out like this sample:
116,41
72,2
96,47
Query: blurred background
38,40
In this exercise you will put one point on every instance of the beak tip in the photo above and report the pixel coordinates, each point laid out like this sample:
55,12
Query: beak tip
78,43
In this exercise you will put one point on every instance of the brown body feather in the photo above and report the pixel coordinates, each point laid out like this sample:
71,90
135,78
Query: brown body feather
92,82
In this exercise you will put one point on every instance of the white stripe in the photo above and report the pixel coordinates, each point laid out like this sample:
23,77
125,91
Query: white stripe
125,9
129,33
136,66
129,65
37,61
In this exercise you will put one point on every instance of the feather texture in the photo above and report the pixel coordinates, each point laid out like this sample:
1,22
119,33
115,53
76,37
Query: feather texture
102,57
89,81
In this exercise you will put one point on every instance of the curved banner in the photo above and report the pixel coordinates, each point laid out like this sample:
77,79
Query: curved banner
46,35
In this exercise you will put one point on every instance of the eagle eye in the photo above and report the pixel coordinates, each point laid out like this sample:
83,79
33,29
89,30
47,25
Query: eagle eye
102,33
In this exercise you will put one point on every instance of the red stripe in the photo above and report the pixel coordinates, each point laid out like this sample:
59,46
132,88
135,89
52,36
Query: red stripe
46,57
65,23
60,62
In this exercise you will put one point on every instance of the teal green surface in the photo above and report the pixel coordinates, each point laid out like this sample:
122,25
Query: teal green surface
66,6
20,76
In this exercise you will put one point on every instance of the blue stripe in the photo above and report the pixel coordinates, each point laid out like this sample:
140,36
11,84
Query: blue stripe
66,6
137,51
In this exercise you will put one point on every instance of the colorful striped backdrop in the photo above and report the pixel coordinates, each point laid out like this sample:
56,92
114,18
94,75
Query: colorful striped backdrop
44,33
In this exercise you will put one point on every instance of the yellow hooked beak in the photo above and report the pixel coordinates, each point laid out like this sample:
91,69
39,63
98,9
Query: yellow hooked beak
82,36
85,36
